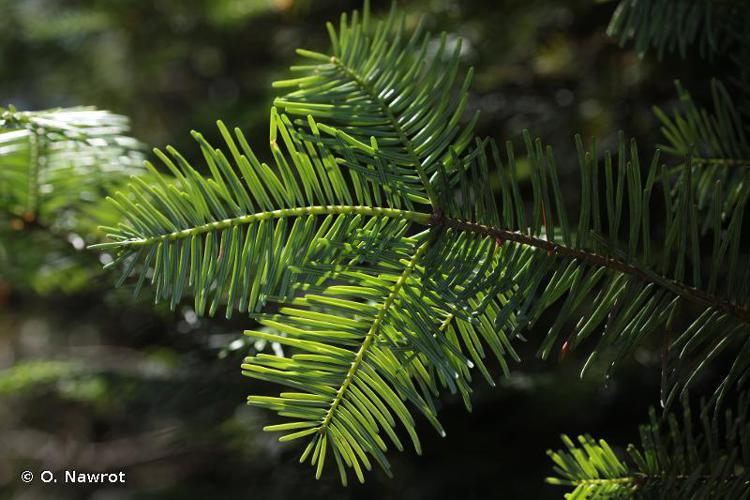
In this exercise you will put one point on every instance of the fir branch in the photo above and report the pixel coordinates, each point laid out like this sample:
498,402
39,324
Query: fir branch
371,334
377,232
379,82
391,115
693,294
672,460
316,210
75,153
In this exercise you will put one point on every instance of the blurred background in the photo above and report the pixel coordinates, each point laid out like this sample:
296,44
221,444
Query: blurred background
96,380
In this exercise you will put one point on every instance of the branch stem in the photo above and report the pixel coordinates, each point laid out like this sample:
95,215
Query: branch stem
372,332
418,217
690,293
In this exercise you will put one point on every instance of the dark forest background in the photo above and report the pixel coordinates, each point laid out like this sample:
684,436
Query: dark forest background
95,380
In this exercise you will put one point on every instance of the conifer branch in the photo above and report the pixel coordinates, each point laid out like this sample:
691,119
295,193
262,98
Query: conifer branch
388,111
377,232
690,293
372,333
318,210
674,459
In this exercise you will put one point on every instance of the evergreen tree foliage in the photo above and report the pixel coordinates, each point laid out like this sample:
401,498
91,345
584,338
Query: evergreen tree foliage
675,459
677,25
50,160
374,248
716,140
55,167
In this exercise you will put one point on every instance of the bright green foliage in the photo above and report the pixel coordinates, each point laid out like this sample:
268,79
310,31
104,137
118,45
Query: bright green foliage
55,167
675,25
395,272
50,160
593,469
675,459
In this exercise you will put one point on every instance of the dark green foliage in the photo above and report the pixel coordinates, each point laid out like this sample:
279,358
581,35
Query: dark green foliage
715,141
676,25
90,369
611,271
675,459
386,83
242,235
395,271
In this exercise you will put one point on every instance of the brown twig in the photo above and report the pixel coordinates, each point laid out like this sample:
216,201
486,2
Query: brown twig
688,292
